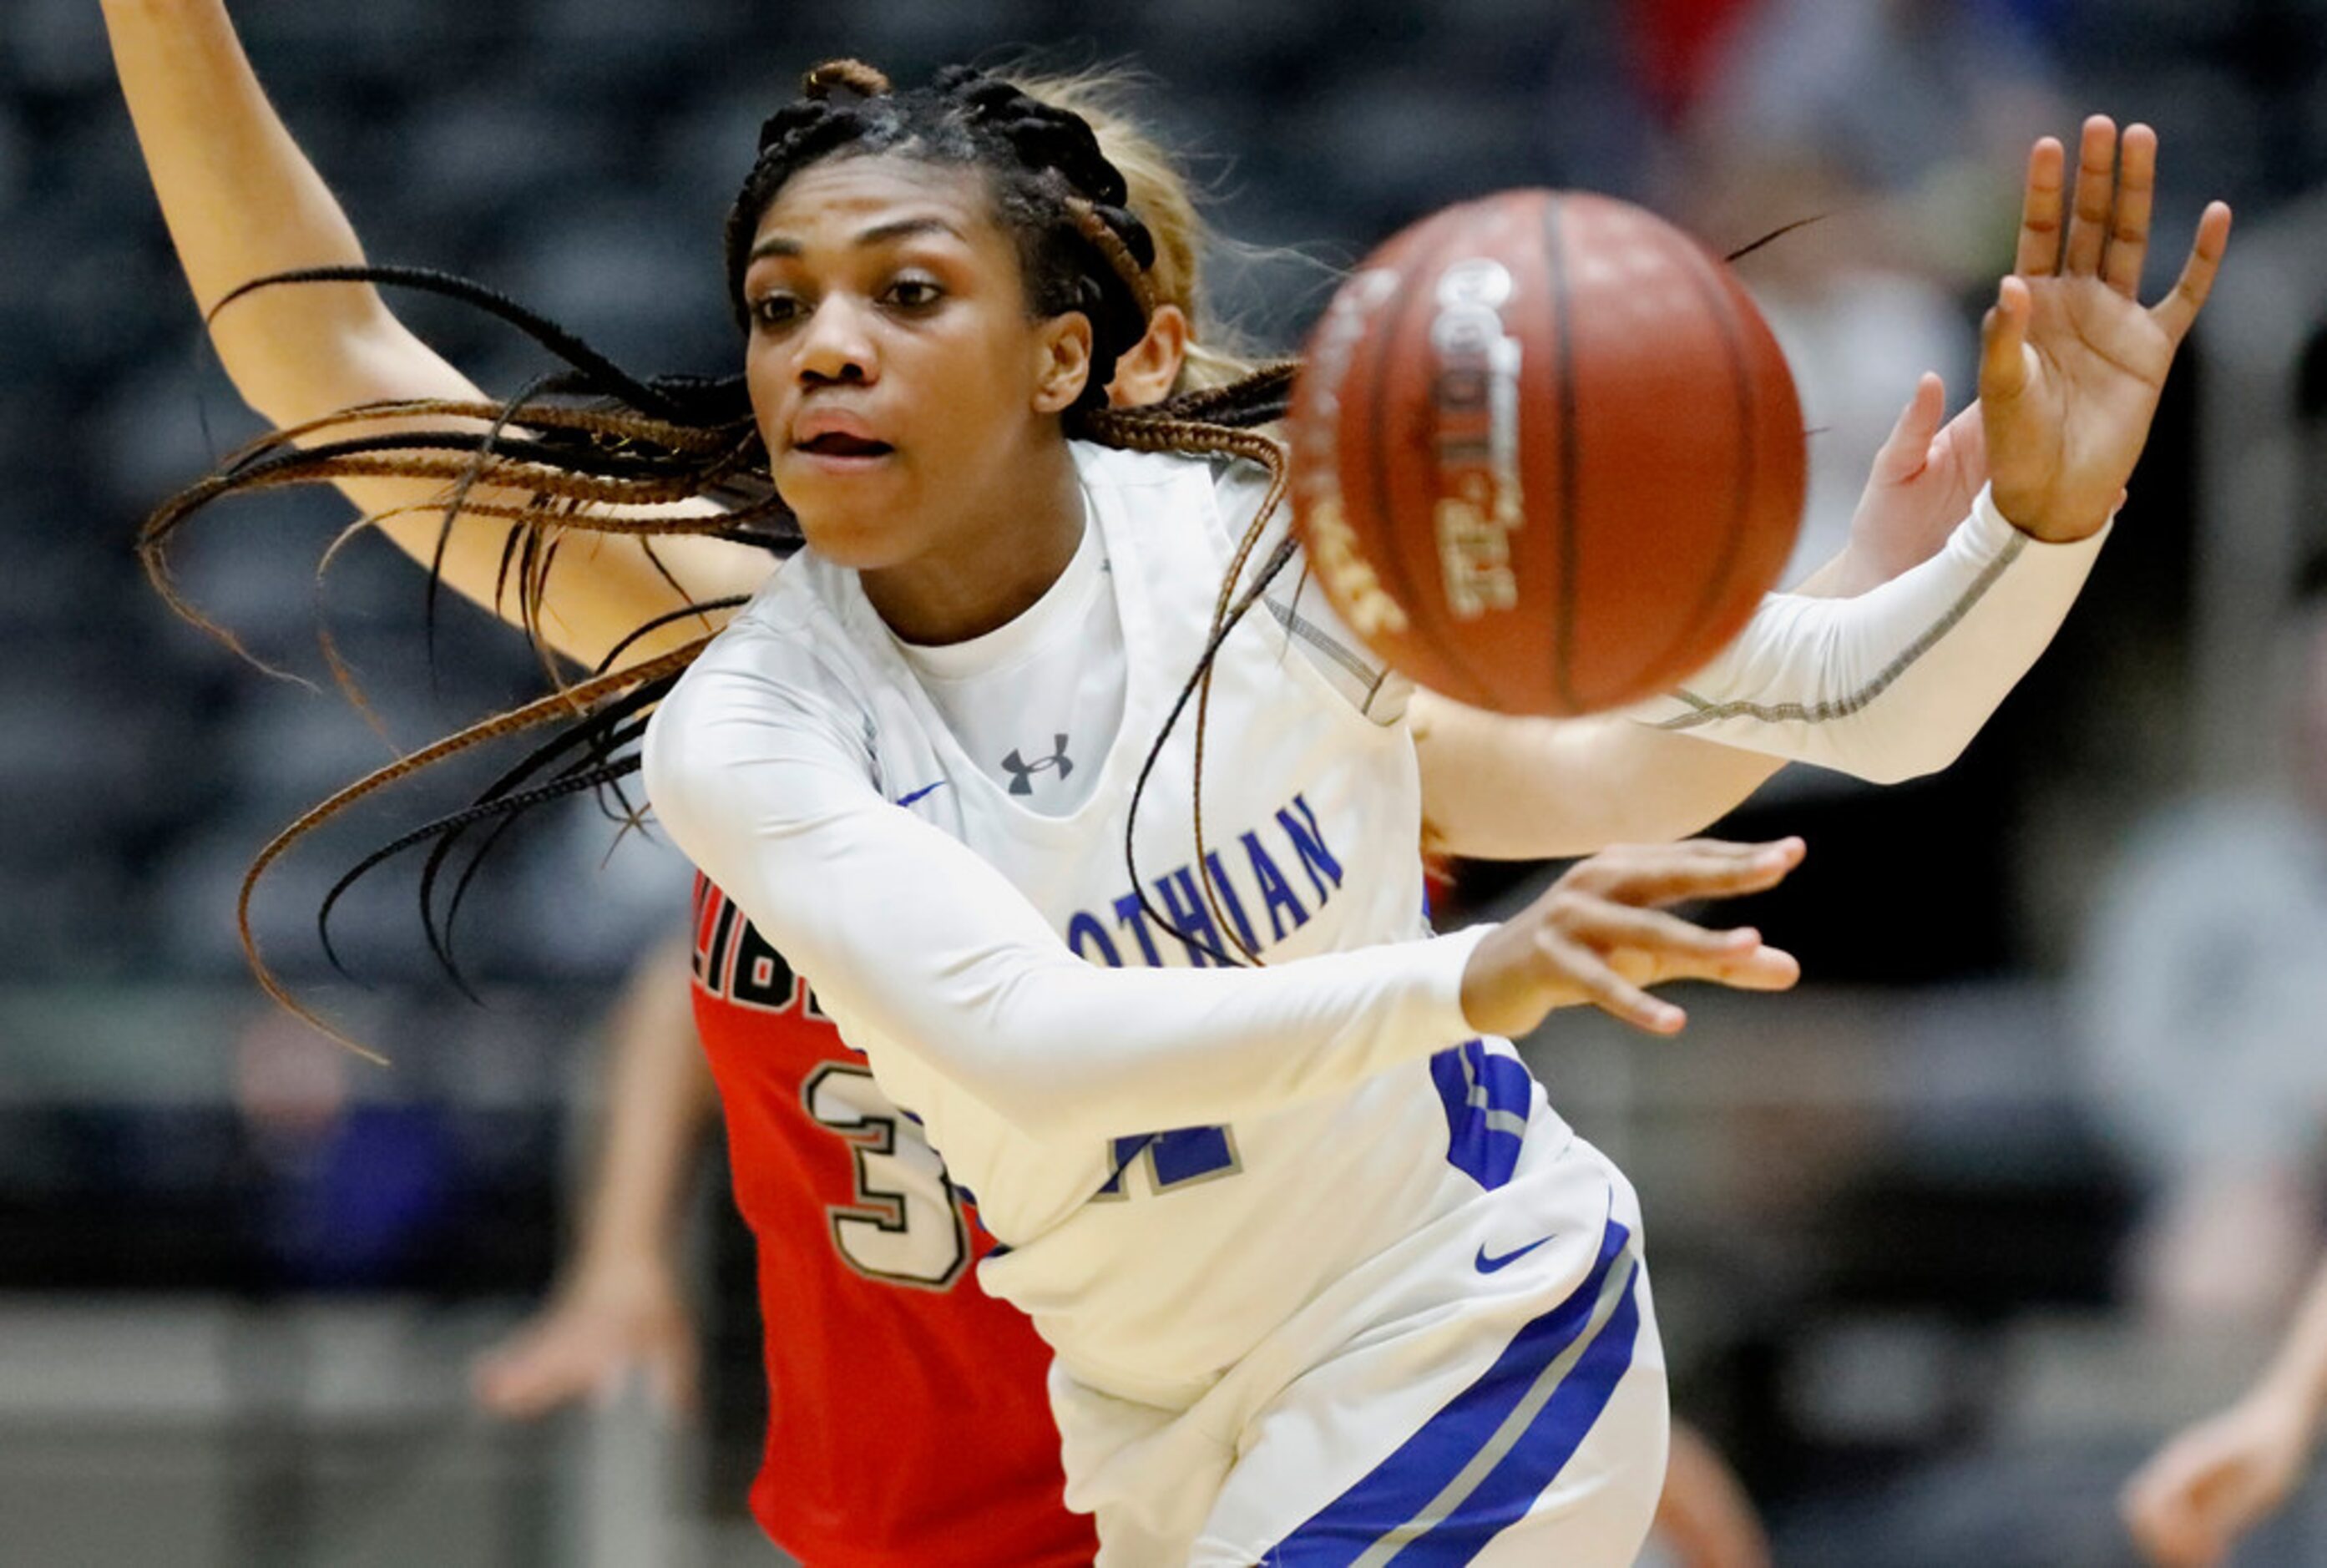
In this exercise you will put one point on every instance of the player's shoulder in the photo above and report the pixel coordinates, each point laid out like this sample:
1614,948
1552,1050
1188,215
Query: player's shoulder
783,659
1203,505
1227,487
794,632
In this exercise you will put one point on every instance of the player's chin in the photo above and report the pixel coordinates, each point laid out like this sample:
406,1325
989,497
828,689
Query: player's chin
850,517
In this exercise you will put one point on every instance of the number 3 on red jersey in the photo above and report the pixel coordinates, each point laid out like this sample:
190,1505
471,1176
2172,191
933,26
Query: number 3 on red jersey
904,1225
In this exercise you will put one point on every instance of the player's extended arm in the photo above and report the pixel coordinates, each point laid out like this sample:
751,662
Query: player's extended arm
1499,788
1895,681
2221,1477
910,938
618,1303
242,202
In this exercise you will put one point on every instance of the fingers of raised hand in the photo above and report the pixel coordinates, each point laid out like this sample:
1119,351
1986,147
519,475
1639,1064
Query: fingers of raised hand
2089,217
2128,234
2003,343
2039,253
2179,307
1907,451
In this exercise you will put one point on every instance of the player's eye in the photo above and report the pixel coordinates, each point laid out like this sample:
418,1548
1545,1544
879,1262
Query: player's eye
913,293
775,309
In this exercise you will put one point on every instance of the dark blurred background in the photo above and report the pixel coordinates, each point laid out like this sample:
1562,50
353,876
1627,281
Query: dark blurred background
1939,1254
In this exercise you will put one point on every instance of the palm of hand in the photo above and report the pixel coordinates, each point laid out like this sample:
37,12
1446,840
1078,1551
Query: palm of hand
2092,369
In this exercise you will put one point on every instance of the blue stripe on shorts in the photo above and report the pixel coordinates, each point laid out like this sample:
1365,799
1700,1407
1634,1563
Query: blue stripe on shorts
1474,1468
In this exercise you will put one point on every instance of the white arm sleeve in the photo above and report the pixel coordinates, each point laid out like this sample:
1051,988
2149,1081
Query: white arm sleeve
910,938
1894,682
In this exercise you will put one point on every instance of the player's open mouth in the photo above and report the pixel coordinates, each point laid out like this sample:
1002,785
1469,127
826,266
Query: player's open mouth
836,445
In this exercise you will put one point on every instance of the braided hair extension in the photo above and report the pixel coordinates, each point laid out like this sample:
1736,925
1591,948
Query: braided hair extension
591,447
655,675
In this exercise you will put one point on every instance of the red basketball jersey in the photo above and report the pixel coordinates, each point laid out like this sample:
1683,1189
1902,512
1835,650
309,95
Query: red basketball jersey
908,1422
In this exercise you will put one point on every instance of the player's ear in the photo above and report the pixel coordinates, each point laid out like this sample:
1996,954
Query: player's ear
1063,348
1152,368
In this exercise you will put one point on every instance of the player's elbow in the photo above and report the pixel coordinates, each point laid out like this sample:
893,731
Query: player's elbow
1905,764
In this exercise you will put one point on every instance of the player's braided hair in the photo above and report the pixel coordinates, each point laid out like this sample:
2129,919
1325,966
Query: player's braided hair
592,447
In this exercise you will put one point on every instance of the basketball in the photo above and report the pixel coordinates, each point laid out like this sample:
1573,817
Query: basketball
1546,454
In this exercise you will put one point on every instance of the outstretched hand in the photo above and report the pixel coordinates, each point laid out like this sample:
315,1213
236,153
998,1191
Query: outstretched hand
2071,363
1601,934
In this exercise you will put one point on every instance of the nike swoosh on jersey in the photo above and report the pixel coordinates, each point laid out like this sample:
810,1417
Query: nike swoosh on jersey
1490,1264
924,789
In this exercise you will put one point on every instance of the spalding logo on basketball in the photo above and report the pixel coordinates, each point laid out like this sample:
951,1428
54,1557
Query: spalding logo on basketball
1546,454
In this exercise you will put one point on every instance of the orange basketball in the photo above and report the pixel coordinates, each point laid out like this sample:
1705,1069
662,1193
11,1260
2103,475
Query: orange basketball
1546,455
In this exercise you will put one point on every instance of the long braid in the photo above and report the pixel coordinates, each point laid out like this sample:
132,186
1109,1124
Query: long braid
568,704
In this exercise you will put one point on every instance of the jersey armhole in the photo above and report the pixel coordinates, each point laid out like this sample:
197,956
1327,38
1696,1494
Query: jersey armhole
1298,610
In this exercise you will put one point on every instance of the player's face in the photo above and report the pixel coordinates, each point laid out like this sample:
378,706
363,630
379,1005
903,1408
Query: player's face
899,378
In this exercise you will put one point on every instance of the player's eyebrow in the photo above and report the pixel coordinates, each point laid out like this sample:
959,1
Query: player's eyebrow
879,234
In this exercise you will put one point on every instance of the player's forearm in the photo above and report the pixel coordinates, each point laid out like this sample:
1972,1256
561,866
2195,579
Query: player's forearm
917,945
1496,788
1895,682
241,201
658,1100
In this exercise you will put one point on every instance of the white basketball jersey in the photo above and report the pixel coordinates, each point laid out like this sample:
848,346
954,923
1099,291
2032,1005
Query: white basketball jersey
1155,1256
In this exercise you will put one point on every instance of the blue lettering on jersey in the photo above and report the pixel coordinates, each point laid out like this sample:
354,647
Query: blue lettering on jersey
732,959
1190,1154
1133,917
1185,909
1180,898
1180,1158
1315,858
1226,890
1085,929
1275,891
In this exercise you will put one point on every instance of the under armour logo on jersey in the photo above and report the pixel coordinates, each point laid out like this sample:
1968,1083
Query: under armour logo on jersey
1022,773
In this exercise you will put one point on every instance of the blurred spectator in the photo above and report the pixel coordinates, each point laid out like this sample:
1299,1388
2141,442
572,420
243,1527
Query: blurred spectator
2220,1478
2203,999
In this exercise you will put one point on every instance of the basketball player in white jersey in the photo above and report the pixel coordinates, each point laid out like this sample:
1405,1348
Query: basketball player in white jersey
1327,1279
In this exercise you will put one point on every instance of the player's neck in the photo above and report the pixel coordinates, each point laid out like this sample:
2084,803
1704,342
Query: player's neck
994,565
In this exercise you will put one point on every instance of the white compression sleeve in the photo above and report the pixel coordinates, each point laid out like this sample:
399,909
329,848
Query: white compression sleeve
911,939
1894,683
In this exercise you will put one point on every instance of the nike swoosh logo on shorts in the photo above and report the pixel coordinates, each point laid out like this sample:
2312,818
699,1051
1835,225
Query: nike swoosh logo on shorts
916,795
1490,1264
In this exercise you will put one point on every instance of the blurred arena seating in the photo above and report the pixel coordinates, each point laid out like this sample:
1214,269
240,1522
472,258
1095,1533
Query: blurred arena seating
1825,1199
